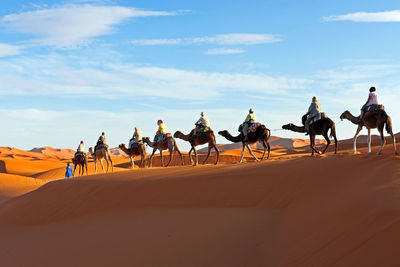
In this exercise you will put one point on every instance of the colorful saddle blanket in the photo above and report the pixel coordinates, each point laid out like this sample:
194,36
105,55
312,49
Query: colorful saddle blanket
253,127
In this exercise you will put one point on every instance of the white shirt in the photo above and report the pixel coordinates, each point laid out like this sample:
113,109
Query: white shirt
373,99
203,121
81,148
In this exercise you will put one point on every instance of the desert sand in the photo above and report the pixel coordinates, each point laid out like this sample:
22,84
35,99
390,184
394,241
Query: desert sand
292,210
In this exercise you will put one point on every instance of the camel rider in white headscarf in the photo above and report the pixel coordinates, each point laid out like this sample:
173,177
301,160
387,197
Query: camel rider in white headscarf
136,138
81,148
250,119
313,111
202,124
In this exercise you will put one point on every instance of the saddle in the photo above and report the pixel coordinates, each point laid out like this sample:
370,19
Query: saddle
375,107
321,116
251,129
100,146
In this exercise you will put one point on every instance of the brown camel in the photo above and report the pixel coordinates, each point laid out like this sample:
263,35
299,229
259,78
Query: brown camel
372,119
100,154
320,127
168,143
135,151
261,134
81,161
200,139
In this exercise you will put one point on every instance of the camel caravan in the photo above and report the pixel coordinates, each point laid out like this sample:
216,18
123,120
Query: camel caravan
314,123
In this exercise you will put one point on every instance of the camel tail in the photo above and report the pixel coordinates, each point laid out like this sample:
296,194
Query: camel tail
389,125
268,134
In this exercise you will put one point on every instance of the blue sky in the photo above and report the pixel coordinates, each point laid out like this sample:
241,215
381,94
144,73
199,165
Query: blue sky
72,69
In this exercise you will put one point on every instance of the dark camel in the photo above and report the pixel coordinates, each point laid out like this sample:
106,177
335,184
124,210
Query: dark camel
320,127
140,150
100,154
372,119
200,139
168,143
261,134
81,161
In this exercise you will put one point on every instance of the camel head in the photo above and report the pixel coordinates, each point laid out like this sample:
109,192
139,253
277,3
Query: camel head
223,133
177,133
287,126
73,161
122,146
344,115
91,150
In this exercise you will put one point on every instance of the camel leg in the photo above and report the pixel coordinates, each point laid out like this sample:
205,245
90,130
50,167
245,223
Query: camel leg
369,140
95,165
162,159
132,162
355,139
196,158
208,154
328,142
251,152
382,140
241,157
265,149
109,158
86,165
217,151
394,143
176,148
311,145
171,154
101,163
151,157
269,150
73,174
190,156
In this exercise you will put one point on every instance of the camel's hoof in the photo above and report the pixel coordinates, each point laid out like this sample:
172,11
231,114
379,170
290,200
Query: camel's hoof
378,154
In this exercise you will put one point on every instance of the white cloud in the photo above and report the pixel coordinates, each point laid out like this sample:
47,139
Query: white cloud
385,16
63,76
72,25
221,39
224,51
9,50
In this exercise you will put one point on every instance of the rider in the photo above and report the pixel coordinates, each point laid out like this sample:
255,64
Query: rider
372,100
202,124
136,138
101,141
81,148
250,119
162,130
313,111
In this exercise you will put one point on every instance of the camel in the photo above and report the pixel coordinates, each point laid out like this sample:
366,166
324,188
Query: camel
100,154
261,134
320,127
168,143
372,119
135,151
81,161
200,139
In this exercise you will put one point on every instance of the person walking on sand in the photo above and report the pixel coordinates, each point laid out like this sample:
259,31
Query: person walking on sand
68,171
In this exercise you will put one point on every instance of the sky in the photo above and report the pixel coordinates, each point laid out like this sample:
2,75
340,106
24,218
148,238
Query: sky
70,70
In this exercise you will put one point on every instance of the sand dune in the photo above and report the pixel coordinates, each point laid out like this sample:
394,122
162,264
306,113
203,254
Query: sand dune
287,212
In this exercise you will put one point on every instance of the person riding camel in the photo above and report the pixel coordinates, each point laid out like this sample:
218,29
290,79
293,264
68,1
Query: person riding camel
202,125
372,100
162,130
136,138
250,119
314,111
102,141
81,149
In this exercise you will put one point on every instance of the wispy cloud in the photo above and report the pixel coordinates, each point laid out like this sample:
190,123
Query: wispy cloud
221,39
224,51
9,50
385,16
72,25
62,76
